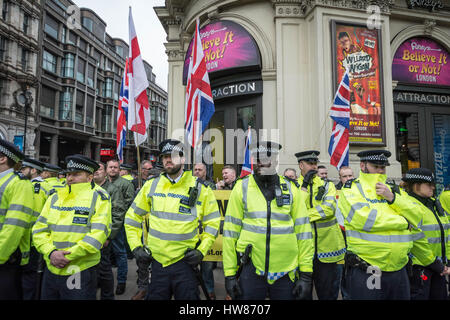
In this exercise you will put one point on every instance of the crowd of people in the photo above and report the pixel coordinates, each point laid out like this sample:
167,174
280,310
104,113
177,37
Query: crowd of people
366,237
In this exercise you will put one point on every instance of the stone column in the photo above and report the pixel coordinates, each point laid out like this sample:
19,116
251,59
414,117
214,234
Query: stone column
54,149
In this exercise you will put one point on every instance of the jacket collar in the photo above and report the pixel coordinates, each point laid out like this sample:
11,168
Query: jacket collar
371,178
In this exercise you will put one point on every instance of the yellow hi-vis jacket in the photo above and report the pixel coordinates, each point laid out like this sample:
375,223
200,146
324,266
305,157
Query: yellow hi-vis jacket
173,225
378,231
444,198
129,177
16,216
328,239
51,183
435,235
40,195
281,237
76,218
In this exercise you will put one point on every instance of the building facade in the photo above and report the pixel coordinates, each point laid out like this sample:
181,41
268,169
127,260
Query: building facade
276,65
19,71
82,68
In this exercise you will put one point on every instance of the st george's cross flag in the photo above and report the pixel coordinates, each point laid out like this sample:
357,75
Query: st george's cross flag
139,109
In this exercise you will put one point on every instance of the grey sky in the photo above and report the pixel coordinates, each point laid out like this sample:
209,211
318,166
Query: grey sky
150,33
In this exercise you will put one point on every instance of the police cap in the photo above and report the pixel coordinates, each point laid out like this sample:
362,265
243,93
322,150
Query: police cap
170,145
419,175
125,166
266,149
52,168
379,157
78,162
33,163
308,156
11,151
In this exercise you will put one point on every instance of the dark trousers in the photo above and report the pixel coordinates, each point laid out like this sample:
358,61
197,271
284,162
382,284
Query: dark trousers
207,269
391,285
326,279
10,282
79,286
178,280
427,285
255,287
30,276
120,252
105,275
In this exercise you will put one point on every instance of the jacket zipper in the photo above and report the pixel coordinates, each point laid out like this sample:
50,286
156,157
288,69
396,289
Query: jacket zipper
269,213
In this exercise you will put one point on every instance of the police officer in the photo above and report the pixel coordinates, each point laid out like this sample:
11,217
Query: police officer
377,222
125,171
50,176
72,228
267,224
428,281
444,198
16,216
31,169
177,201
329,242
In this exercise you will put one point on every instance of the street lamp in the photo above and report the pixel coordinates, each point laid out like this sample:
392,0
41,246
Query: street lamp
25,99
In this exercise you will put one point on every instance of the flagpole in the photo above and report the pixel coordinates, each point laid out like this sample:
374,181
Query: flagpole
139,167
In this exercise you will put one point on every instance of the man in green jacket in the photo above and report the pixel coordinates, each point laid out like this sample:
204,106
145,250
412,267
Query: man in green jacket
121,204
104,271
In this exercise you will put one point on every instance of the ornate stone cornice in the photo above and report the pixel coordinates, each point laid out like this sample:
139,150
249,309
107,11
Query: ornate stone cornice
298,8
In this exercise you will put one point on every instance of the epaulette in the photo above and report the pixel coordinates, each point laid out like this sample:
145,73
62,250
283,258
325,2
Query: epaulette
203,182
348,183
153,177
294,181
20,175
52,191
103,195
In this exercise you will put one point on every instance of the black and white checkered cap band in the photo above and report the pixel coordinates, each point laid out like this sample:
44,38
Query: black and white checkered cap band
75,165
378,157
171,147
411,176
9,154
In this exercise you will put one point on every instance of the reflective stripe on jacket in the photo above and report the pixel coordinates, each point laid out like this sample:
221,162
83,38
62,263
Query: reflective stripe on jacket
281,237
76,218
377,231
327,234
16,216
173,225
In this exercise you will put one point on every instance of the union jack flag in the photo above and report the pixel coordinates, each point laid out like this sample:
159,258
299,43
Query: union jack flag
199,102
247,167
122,114
340,113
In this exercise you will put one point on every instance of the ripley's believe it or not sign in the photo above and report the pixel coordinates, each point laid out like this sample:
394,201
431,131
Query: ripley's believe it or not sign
357,49
226,45
421,61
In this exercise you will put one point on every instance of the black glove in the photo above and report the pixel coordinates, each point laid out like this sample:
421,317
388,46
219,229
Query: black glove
437,266
142,255
303,286
309,176
232,287
193,257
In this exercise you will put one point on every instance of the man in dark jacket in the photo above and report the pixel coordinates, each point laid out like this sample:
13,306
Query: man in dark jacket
124,200
104,271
